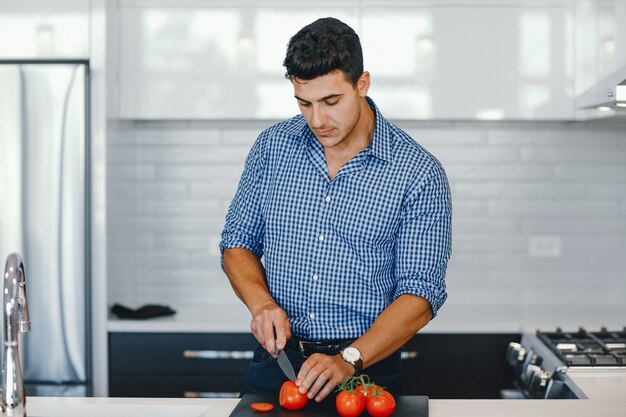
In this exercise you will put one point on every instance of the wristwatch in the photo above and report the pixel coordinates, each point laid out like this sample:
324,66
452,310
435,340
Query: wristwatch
353,357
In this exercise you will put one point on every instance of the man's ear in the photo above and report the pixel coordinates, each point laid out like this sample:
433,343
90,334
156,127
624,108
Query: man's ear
363,84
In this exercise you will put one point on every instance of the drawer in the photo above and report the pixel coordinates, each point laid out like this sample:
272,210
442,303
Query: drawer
180,353
175,385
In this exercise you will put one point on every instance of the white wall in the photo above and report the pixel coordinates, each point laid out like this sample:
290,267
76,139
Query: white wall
170,183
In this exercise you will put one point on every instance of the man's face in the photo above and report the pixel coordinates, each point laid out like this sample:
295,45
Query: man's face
331,106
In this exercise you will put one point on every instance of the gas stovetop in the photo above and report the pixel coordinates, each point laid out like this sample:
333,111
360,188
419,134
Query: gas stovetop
583,348
546,363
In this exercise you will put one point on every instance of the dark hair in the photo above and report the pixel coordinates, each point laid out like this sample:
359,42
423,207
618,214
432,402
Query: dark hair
323,46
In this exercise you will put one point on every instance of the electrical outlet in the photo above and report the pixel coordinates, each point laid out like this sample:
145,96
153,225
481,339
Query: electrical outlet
544,246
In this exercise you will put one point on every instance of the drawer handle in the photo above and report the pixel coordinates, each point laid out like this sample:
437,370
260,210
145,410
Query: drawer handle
247,354
205,394
408,355
218,354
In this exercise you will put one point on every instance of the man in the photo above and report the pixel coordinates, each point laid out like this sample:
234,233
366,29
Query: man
352,218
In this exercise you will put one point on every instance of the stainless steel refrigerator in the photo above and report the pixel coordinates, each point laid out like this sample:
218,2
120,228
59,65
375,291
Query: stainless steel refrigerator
44,125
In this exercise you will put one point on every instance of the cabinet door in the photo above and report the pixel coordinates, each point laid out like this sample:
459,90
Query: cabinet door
483,60
178,364
458,366
32,29
600,34
213,62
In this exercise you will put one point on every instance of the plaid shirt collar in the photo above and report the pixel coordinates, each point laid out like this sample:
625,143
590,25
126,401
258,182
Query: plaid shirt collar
382,139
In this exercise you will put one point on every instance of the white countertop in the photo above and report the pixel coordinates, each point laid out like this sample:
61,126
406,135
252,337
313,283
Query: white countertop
128,407
217,318
230,315
162,407
235,318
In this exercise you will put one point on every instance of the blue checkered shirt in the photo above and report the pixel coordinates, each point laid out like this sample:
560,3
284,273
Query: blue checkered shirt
337,253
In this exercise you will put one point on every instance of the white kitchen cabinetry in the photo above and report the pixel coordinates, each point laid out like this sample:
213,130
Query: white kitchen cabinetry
481,61
35,29
597,41
209,62
443,60
600,56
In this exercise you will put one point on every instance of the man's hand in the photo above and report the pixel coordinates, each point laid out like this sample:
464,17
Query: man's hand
270,326
321,373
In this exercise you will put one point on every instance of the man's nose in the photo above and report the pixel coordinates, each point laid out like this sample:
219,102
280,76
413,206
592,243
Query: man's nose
318,117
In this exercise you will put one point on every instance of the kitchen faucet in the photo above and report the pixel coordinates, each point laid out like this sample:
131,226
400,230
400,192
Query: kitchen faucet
15,320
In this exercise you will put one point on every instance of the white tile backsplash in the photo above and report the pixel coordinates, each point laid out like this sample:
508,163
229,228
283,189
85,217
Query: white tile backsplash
170,184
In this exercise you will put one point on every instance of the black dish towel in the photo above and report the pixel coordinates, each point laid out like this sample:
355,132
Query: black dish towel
145,312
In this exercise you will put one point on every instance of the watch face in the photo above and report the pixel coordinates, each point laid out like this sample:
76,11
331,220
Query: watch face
351,354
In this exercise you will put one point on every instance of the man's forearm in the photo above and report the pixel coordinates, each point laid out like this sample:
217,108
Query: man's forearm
247,277
396,325
270,324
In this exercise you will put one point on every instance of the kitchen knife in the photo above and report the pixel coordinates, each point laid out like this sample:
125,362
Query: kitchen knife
285,365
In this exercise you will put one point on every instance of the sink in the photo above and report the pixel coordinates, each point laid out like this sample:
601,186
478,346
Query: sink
128,407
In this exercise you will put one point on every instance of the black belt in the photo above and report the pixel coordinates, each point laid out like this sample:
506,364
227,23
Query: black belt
309,347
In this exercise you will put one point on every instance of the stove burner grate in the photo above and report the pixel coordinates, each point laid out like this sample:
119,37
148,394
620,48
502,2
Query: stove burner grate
582,348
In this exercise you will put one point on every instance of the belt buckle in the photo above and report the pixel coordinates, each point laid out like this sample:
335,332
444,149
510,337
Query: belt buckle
308,348
301,346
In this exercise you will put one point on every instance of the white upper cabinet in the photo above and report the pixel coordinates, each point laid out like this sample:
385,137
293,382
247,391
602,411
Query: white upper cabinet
35,29
209,62
428,60
597,41
490,62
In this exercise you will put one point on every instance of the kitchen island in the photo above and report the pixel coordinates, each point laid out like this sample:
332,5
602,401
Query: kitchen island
162,407
606,398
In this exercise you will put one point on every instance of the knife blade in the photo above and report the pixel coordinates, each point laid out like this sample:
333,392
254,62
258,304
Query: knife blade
285,365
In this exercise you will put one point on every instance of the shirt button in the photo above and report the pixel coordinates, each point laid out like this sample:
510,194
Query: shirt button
327,198
315,277
312,315
321,237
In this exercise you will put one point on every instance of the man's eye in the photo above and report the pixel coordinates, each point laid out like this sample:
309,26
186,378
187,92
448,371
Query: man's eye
304,104
332,103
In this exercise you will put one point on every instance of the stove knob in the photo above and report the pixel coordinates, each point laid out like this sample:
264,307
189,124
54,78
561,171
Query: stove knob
527,374
538,384
515,354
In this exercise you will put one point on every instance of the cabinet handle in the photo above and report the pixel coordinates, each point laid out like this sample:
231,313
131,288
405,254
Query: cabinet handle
218,354
409,355
208,394
247,354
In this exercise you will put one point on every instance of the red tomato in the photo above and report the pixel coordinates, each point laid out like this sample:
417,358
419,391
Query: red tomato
290,398
380,404
350,403
262,407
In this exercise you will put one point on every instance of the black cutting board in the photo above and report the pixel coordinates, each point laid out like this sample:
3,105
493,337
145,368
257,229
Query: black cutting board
406,406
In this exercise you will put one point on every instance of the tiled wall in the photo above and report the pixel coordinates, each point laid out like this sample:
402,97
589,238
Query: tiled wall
539,217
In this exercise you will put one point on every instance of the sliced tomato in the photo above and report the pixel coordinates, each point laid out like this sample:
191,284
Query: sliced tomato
262,407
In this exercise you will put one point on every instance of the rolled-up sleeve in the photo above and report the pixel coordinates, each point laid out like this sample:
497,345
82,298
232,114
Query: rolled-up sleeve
244,227
425,241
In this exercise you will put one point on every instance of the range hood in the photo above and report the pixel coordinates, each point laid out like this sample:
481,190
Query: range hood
607,95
